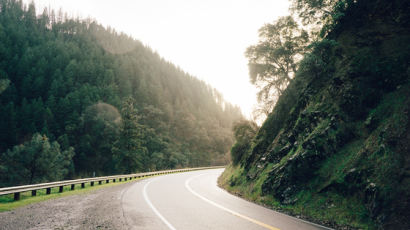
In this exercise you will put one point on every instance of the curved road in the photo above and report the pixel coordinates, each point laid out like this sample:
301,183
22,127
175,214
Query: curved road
193,200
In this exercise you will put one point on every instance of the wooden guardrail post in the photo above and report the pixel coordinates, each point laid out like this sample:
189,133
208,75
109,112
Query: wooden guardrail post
100,182
107,181
60,189
48,191
72,186
34,193
17,196
82,185
92,183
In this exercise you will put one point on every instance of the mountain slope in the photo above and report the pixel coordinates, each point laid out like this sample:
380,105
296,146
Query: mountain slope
88,87
336,149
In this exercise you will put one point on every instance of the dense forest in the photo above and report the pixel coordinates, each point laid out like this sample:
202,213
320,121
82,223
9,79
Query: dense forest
78,99
334,80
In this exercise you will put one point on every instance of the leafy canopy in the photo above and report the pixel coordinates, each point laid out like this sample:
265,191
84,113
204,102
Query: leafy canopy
320,15
244,131
274,60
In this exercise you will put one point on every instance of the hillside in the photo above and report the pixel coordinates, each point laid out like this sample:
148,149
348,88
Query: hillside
336,148
78,99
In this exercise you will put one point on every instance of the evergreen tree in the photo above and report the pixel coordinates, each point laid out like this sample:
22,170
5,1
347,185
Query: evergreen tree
4,83
35,161
57,72
129,150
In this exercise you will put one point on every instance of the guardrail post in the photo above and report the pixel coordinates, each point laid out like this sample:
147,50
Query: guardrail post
60,190
113,180
107,181
92,183
125,179
82,185
17,196
120,179
72,186
48,191
100,182
34,193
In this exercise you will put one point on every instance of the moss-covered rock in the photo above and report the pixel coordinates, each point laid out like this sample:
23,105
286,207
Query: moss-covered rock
336,148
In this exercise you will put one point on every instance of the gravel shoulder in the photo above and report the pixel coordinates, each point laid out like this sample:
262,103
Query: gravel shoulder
99,209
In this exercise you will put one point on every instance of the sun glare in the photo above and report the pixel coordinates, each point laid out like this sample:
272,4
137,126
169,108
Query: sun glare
204,38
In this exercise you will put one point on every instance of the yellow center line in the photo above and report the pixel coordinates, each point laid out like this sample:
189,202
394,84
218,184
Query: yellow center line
226,209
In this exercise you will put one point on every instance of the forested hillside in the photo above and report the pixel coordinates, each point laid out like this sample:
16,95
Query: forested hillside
77,99
335,149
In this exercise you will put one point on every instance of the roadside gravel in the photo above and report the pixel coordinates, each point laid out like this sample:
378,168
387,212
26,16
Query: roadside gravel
99,209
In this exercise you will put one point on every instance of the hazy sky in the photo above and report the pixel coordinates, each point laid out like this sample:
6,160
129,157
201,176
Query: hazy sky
206,38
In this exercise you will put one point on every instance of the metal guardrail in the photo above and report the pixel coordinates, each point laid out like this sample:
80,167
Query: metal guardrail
16,190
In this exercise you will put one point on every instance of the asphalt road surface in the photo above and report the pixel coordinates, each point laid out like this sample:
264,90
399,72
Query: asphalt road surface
179,201
193,201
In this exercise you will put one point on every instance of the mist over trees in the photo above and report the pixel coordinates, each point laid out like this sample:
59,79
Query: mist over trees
100,100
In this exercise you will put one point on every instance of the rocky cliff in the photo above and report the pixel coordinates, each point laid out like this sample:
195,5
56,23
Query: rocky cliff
336,148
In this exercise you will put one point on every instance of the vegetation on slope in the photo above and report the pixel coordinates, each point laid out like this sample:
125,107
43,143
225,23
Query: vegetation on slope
100,100
336,149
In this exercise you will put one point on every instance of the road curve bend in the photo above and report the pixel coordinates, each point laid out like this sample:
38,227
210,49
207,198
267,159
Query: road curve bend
192,200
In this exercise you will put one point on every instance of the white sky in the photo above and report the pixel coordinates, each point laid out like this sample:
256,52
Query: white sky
206,38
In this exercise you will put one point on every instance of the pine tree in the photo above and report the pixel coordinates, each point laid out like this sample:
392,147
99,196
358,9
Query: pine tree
35,161
129,150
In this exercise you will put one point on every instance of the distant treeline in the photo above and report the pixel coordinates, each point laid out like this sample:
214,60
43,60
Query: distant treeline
77,98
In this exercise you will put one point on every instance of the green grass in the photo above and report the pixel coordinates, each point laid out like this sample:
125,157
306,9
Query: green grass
333,169
328,207
332,208
7,202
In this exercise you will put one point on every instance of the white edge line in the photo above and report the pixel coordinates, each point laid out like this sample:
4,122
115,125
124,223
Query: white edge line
298,219
277,212
169,225
224,208
233,212
203,198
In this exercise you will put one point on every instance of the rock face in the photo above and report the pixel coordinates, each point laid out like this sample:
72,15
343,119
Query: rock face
342,127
